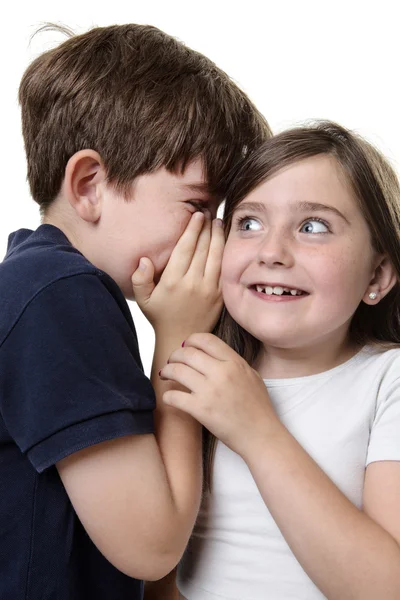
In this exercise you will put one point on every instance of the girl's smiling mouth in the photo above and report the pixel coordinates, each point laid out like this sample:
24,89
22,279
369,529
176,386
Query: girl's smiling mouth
277,292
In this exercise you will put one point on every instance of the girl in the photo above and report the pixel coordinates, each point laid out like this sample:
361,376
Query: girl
303,394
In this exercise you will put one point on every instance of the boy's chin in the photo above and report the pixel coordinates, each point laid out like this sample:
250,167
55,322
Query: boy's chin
157,277
127,290
158,272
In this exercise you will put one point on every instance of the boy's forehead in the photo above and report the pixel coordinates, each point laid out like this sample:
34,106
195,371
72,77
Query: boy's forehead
200,188
193,181
191,184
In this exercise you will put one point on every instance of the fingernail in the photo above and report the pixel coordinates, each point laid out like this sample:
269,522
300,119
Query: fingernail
198,215
218,222
142,265
183,343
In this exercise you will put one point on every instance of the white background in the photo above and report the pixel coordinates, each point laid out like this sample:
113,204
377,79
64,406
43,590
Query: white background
297,59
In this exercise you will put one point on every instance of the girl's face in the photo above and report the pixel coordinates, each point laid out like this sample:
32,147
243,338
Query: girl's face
298,259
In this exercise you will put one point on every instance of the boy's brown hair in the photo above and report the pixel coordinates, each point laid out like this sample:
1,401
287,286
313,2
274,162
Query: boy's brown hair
142,100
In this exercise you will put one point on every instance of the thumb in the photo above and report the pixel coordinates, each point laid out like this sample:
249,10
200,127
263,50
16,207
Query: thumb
143,281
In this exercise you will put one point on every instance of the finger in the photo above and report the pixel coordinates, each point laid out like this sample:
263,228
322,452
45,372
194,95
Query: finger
199,260
194,358
182,374
212,270
181,400
181,256
143,281
213,346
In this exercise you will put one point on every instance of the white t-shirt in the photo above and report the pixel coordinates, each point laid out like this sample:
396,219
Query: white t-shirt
345,418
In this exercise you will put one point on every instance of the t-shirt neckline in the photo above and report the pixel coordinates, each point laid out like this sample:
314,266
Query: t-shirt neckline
324,374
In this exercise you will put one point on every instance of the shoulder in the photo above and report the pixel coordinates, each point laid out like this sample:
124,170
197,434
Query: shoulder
375,374
76,310
73,359
43,272
378,364
384,441
383,365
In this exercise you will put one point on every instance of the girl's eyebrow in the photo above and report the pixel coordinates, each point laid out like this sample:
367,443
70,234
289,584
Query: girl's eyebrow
254,206
298,206
317,207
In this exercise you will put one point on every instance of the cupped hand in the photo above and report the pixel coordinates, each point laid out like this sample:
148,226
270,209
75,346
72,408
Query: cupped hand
188,296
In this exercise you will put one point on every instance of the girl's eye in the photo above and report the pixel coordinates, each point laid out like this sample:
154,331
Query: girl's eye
248,224
314,226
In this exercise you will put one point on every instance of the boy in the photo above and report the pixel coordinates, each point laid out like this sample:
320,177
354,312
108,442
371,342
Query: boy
127,134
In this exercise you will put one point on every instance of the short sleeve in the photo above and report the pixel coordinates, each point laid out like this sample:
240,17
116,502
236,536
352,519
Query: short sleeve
384,441
71,373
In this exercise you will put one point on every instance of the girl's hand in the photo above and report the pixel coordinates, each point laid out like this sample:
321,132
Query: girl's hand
188,295
224,393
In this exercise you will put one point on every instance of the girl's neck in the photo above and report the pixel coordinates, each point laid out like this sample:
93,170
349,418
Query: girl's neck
283,363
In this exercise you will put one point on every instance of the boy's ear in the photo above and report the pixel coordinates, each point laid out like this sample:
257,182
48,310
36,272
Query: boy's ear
84,175
382,282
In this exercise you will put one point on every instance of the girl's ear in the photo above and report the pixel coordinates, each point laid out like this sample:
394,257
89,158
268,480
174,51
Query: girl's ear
84,175
382,282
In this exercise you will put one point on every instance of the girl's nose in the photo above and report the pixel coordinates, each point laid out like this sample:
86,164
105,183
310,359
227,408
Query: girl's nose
275,251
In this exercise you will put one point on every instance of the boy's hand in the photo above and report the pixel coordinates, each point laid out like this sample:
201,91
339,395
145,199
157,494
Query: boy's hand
188,295
222,392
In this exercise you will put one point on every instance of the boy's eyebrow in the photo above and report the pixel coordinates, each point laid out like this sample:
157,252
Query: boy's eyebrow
198,188
300,206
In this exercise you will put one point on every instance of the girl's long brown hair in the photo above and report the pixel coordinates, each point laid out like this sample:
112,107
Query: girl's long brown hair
376,188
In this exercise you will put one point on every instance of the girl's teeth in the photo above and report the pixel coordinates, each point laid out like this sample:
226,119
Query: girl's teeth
278,290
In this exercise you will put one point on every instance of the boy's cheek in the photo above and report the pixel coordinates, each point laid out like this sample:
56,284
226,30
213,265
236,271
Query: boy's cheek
160,261
168,236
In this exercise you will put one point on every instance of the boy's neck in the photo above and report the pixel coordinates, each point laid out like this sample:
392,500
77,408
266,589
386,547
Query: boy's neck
61,215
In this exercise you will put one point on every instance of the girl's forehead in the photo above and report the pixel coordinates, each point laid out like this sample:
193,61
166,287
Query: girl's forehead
316,179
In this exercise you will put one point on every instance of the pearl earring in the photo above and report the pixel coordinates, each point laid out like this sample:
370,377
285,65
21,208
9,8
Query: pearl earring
373,295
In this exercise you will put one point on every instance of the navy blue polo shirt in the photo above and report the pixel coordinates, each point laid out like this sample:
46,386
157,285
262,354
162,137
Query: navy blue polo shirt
70,377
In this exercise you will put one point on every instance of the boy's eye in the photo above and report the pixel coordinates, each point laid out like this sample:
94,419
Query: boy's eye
199,206
248,224
314,226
